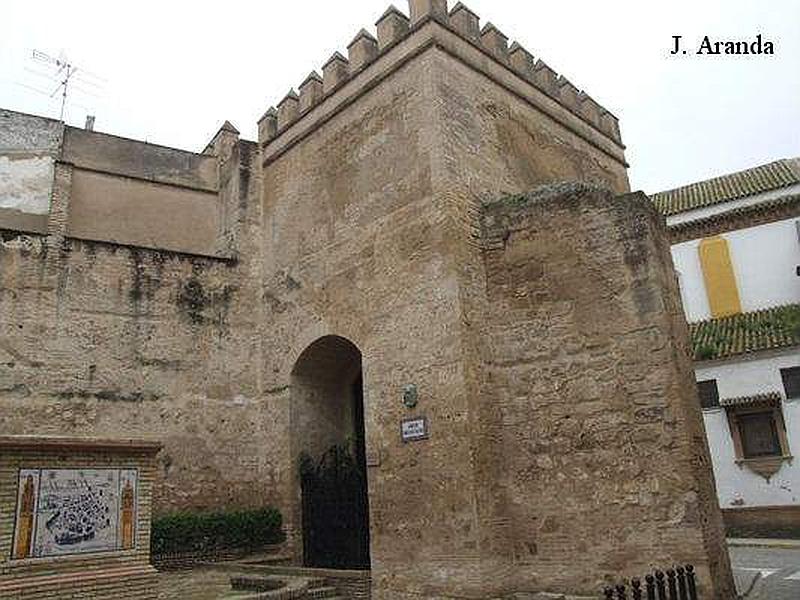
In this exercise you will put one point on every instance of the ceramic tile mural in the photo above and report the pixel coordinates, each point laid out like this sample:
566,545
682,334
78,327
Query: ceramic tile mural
74,511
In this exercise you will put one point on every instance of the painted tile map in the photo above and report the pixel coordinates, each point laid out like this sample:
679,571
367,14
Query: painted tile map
74,511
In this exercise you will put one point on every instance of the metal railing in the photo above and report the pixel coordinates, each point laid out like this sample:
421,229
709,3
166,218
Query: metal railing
672,584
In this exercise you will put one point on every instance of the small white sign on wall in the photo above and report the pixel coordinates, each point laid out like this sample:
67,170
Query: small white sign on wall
414,429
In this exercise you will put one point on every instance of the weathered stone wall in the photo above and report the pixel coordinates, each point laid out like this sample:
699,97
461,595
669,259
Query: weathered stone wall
353,246
497,142
99,339
600,465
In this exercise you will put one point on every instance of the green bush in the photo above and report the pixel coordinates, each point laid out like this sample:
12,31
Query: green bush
210,532
705,352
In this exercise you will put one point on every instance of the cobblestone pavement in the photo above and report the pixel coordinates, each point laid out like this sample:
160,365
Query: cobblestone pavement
776,572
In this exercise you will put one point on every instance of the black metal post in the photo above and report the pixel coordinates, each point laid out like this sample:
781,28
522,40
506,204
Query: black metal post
690,582
662,591
650,585
673,591
681,583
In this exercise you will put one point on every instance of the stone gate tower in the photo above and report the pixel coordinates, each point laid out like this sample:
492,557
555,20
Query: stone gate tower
542,330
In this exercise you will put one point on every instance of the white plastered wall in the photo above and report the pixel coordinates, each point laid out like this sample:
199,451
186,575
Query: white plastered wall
25,183
765,259
738,486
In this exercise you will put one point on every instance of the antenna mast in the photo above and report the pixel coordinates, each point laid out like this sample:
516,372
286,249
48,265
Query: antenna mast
64,73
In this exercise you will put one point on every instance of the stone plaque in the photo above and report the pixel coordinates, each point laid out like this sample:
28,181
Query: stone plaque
373,458
74,511
414,429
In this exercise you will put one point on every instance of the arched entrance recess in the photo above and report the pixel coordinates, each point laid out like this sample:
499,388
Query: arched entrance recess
327,423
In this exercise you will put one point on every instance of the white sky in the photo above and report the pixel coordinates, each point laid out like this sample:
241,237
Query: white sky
176,70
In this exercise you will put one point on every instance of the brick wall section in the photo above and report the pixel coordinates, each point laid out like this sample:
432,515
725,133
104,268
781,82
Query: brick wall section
107,575
762,520
354,589
59,205
588,398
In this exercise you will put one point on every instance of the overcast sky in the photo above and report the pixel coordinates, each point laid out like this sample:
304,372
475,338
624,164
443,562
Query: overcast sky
173,71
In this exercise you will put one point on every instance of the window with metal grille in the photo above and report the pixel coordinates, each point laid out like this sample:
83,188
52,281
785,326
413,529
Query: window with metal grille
791,381
708,392
759,434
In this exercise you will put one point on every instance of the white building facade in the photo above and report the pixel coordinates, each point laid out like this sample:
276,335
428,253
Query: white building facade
736,250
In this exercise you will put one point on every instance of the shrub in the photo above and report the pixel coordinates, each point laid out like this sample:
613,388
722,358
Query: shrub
705,352
212,532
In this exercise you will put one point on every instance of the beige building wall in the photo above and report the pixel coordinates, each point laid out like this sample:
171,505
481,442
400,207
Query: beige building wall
134,193
134,212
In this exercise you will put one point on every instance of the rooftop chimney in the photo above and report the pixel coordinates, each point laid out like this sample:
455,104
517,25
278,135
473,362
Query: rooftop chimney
89,123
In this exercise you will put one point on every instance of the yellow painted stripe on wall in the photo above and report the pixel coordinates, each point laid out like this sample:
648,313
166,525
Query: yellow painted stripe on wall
723,295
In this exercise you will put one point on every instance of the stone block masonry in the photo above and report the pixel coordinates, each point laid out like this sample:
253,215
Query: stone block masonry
588,394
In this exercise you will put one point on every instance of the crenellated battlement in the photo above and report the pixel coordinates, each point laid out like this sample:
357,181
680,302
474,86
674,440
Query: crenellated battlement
394,27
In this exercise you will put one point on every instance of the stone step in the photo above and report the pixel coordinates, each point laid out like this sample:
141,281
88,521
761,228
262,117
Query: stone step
257,584
322,592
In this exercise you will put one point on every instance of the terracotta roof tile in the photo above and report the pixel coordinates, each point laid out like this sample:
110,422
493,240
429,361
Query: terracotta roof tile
768,206
767,329
764,178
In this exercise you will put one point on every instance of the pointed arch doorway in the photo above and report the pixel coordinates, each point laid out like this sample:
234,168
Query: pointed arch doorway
328,443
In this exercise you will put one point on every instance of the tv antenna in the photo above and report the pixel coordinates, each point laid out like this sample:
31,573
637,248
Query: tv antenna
66,75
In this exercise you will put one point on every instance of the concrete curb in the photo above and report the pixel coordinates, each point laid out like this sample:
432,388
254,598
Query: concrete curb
763,543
